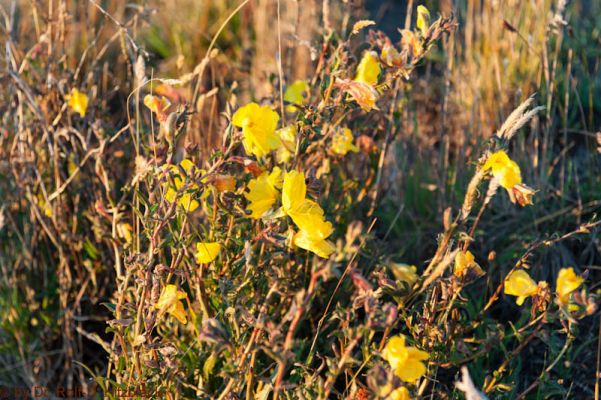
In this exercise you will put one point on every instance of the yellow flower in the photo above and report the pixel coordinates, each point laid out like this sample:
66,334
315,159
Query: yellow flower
186,201
405,361
508,174
295,94
307,215
423,19
404,273
78,101
258,125
288,143
567,282
342,142
464,261
321,247
207,252
504,169
169,302
368,69
521,285
399,394
263,192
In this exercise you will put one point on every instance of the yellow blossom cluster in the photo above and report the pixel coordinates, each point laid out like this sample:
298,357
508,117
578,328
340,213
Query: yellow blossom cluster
308,216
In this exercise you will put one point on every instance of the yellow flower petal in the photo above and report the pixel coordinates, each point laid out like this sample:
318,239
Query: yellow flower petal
567,282
416,354
288,143
124,231
504,169
405,361
169,302
177,310
78,101
294,190
521,285
187,165
465,261
368,69
323,248
395,351
423,19
399,394
188,203
262,192
206,252
258,125
307,215
411,370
